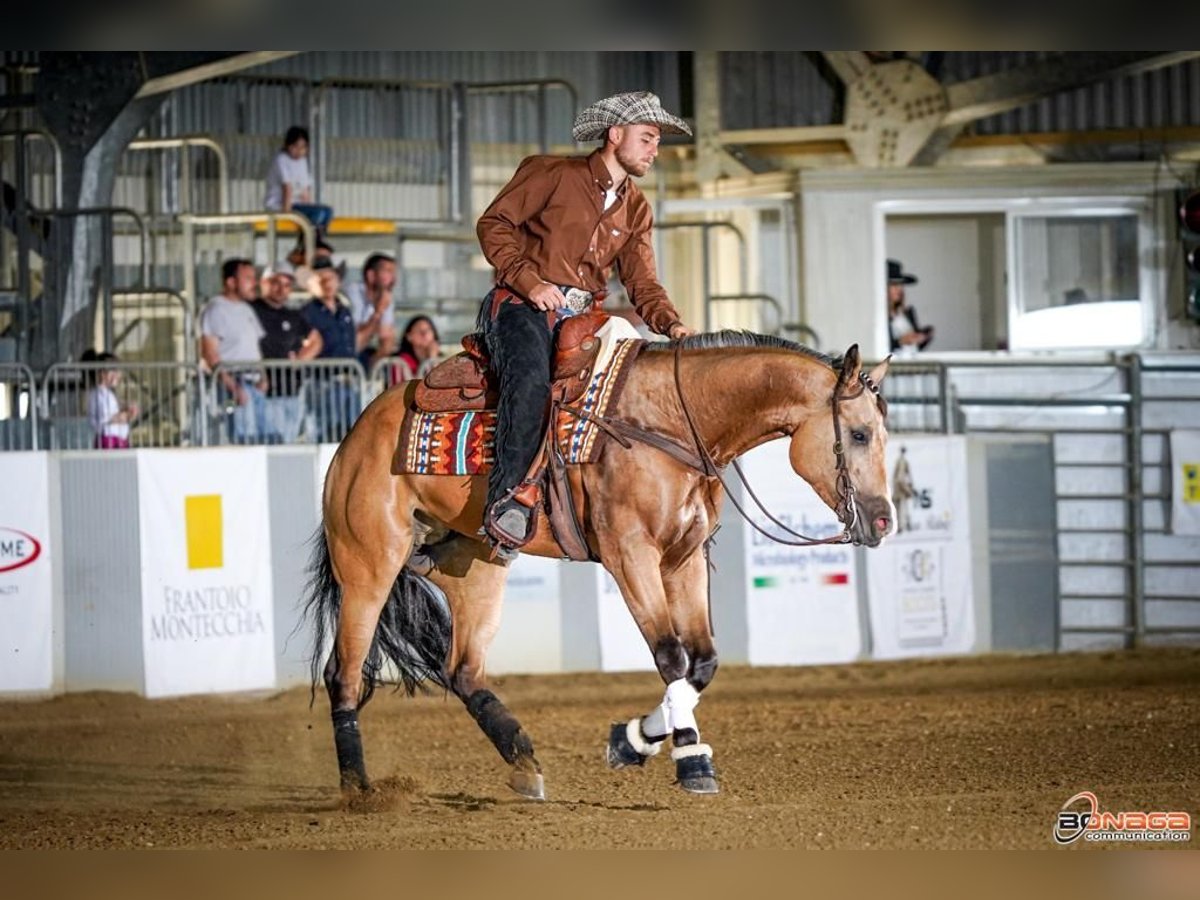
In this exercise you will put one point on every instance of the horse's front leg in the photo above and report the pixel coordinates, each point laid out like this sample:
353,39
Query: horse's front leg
632,743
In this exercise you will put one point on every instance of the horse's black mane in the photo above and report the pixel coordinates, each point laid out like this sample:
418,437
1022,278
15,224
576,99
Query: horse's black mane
721,339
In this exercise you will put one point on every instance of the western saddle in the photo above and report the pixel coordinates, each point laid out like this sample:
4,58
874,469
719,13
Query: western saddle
465,383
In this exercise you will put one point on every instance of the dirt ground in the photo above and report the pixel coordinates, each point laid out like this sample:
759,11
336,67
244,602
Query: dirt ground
972,752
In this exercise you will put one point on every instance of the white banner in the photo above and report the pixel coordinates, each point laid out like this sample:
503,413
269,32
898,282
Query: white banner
26,587
1185,482
207,622
622,647
530,636
802,602
919,581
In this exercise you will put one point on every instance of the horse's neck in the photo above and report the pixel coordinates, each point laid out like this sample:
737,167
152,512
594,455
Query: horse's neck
738,397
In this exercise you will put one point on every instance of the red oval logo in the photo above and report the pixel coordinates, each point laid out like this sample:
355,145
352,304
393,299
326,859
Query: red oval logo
17,549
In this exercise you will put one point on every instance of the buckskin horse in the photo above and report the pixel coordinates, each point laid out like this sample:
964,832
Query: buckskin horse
647,508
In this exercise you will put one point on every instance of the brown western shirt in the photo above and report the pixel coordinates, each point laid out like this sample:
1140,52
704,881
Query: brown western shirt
548,224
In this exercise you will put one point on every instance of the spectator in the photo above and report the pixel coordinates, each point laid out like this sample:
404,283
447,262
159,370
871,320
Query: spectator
336,397
229,335
287,336
419,349
290,182
907,335
371,305
109,418
305,277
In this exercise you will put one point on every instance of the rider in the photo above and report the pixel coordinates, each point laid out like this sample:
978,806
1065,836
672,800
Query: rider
553,233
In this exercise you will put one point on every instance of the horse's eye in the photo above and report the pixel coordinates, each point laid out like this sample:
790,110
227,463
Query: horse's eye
859,437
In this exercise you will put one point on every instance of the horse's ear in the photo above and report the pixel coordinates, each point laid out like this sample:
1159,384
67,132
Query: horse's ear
878,373
851,365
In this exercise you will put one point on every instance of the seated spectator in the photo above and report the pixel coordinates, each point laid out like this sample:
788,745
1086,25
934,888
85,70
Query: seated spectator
420,348
290,181
110,419
305,277
336,399
371,305
229,335
287,336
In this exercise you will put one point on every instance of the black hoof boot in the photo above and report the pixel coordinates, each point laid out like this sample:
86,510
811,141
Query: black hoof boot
348,741
694,769
627,747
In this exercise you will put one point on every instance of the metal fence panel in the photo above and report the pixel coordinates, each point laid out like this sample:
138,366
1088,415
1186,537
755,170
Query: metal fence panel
284,401
18,408
113,405
1123,577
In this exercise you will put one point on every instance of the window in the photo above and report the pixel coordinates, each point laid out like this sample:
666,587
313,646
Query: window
1077,280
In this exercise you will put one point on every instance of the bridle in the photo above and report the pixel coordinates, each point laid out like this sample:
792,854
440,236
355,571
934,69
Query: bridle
847,510
702,460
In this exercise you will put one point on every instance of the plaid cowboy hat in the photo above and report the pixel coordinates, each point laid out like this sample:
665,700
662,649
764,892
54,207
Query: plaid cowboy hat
631,108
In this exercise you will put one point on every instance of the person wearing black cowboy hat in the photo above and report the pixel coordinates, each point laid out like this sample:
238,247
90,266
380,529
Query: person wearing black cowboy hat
905,331
553,234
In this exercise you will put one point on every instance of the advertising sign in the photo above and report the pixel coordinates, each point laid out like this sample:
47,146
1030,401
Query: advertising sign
207,623
801,602
919,581
26,609
1185,486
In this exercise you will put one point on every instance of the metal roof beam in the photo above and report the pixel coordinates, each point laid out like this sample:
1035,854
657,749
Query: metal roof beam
991,95
215,69
847,64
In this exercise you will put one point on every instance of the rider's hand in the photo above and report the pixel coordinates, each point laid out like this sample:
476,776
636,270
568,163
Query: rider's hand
547,297
678,331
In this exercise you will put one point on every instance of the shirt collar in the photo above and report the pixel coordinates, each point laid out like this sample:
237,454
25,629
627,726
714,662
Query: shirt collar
602,176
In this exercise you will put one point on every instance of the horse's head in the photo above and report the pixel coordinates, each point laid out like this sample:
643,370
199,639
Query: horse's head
850,478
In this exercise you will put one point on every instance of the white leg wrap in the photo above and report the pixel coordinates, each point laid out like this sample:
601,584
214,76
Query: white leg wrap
691,750
659,721
681,700
633,734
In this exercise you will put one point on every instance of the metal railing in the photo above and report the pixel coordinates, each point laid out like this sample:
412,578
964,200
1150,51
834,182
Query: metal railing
111,405
231,235
1110,422
24,171
744,294
136,319
284,401
18,408
186,175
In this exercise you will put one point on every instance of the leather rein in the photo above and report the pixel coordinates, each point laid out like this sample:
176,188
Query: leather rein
847,512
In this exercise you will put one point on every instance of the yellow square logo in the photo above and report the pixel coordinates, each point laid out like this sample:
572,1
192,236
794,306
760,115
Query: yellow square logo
202,517
1191,482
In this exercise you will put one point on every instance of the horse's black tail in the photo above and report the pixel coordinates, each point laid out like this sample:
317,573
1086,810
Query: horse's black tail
413,630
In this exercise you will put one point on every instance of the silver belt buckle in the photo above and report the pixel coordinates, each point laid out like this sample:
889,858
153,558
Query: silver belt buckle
577,299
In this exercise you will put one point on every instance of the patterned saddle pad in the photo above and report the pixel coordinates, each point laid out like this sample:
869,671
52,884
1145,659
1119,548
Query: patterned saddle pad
461,443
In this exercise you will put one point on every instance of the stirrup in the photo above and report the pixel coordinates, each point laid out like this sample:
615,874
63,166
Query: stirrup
504,516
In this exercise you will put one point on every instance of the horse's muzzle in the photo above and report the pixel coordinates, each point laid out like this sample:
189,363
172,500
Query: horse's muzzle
874,522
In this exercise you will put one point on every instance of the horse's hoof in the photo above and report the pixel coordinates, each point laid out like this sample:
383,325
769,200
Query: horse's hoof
626,747
528,784
355,784
694,769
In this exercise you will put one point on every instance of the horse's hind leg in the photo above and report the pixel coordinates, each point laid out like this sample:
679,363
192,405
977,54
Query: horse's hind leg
366,584
474,587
